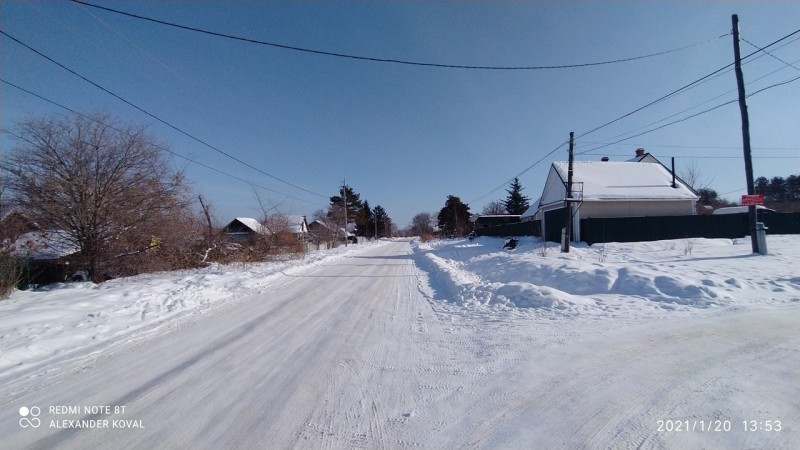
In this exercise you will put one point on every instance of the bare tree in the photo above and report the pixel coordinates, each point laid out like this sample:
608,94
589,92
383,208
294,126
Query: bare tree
693,176
494,208
326,231
422,225
108,187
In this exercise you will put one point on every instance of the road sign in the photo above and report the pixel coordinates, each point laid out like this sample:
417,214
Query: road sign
749,200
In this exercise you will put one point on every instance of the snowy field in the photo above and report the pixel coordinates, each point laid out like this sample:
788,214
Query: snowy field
454,344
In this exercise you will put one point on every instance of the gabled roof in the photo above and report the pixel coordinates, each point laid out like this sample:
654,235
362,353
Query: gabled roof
319,223
645,158
253,224
531,211
298,224
281,222
608,180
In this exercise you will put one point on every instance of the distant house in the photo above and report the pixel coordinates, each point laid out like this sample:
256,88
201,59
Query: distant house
280,223
605,189
491,220
244,229
46,254
278,228
15,223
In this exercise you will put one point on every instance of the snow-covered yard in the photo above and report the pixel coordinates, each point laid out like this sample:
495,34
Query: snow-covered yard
630,281
442,344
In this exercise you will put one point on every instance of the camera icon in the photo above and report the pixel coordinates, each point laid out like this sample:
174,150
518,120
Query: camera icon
30,422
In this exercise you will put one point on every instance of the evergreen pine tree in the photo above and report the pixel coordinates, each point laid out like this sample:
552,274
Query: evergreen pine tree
337,205
516,203
365,223
454,217
383,221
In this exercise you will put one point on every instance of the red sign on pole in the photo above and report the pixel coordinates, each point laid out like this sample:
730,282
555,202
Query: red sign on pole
749,200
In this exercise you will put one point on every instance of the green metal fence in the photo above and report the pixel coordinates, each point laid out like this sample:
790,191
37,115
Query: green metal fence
636,229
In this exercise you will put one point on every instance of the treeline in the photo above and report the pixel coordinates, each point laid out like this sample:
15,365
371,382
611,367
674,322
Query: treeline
780,192
100,197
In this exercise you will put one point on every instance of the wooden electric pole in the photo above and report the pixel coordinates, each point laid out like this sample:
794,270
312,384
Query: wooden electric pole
344,198
568,198
748,161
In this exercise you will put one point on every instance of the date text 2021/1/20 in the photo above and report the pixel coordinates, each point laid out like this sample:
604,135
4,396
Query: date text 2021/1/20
716,425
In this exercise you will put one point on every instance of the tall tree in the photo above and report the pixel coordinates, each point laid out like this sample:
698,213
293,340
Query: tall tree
761,185
336,211
516,203
422,225
107,187
382,221
454,217
365,223
793,187
777,189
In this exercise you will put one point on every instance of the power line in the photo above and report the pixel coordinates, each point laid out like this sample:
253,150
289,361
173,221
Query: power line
704,147
683,88
696,106
386,60
250,183
770,54
709,157
560,146
185,133
690,116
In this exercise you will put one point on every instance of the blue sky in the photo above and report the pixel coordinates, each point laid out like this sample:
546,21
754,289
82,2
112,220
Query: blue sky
407,136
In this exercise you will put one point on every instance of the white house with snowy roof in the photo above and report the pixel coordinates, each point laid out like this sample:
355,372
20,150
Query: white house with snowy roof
245,228
605,189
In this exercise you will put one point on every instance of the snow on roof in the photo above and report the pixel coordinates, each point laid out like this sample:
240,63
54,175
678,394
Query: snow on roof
609,180
251,223
740,209
297,224
531,211
44,245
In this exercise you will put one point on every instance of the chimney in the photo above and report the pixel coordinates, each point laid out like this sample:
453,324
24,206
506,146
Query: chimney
604,159
639,151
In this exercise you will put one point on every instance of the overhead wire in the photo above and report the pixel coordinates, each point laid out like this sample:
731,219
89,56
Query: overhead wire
658,100
683,88
166,149
560,146
770,54
695,106
690,116
383,60
185,133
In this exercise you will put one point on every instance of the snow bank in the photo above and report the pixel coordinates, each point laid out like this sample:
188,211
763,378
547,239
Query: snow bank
614,278
63,321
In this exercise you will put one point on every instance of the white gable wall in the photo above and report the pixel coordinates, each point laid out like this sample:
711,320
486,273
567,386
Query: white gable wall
554,189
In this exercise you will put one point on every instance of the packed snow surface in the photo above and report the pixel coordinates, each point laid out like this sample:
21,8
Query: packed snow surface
689,343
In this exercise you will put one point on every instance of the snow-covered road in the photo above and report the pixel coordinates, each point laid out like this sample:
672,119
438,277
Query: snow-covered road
355,353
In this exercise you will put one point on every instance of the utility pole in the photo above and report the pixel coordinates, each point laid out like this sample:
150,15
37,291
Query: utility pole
344,197
568,198
748,161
